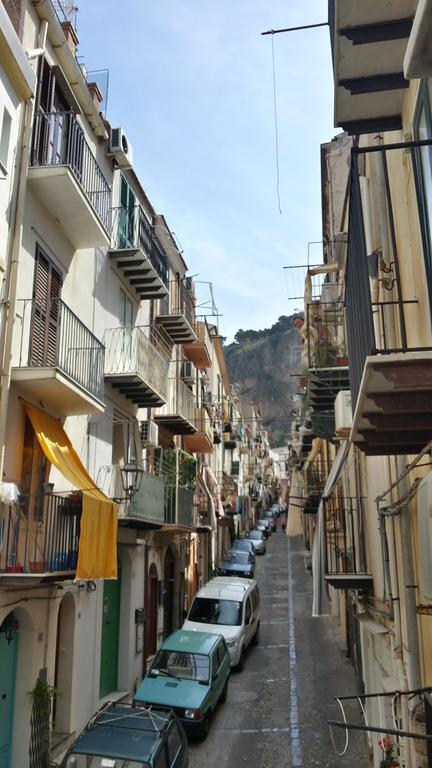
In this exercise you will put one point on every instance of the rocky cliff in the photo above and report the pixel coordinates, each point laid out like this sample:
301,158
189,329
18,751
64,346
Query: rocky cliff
261,363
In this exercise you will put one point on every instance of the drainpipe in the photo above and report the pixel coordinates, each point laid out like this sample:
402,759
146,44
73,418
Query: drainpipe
13,257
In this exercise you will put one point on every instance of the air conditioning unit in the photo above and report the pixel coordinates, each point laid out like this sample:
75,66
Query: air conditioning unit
149,433
120,149
343,413
188,372
329,293
424,517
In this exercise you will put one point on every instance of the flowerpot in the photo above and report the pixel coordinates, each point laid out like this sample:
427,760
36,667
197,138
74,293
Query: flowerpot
342,361
36,567
14,568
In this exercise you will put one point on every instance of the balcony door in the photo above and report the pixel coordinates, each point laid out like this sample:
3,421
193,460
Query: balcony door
46,312
423,174
126,233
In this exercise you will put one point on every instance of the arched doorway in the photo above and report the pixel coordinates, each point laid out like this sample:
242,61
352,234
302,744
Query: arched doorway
169,591
152,611
9,639
64,665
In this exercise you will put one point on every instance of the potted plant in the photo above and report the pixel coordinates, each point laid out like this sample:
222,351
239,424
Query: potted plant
389,760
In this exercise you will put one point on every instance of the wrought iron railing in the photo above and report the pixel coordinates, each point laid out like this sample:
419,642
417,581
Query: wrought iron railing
40,534
53,336
180,301
180,401
378,315
344,526
325,335
58,139
178,469
129,350
131,229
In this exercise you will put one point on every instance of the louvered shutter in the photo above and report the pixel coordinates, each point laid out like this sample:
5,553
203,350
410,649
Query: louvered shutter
46,312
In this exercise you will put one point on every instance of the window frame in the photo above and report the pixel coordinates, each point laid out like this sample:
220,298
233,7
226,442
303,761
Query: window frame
423,103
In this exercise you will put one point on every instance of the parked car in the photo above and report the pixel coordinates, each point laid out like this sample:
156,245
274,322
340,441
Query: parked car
271,517
237,563
190,675
264,527
120,734
244,545
230,606
258,540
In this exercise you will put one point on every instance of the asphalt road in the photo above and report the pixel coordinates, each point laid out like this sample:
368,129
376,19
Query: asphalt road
277,708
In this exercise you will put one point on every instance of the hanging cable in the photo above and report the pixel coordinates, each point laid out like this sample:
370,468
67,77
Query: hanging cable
276,126
339,754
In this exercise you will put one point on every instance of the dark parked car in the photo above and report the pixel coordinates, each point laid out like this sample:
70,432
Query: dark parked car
244,546
237,563
122,734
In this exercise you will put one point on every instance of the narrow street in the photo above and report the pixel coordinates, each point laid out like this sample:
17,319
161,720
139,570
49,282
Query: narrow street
277,708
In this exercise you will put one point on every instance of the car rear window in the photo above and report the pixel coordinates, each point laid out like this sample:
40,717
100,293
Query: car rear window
236,556
186,666
208,610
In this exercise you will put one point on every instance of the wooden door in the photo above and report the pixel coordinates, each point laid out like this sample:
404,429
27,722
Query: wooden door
152,611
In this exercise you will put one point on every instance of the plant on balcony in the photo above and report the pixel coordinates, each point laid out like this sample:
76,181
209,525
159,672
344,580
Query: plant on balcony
389,760
40,724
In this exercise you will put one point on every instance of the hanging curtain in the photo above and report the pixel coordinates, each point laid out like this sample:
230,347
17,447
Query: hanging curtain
97,552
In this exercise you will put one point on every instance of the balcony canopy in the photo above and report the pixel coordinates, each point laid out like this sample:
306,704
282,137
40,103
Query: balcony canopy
369,40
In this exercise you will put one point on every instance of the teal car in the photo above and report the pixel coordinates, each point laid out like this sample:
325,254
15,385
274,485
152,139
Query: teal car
189,675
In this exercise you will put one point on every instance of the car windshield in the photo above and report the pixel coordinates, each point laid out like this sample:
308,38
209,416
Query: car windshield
96,761
255,535
236,557
208,610
182,665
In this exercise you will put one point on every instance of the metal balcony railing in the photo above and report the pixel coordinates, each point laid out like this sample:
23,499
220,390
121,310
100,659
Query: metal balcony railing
344,526
58,139
324,334
180,401
378,315
178,469
128,350
180,301
40,534
56,338
131,229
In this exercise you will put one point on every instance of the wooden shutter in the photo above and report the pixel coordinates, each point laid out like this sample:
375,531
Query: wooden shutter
46,312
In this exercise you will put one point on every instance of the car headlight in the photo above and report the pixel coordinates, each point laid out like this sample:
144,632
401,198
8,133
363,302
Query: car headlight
231,642
192,714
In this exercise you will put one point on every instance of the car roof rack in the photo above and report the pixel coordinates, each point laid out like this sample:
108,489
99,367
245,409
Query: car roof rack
158,717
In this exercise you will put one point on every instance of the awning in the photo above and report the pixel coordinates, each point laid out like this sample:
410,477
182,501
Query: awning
320,599
97,553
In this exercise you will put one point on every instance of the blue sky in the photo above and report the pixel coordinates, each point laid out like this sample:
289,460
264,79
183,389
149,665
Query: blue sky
191,84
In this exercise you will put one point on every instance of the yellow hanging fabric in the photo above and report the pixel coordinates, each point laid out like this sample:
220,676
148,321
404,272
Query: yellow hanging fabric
97,553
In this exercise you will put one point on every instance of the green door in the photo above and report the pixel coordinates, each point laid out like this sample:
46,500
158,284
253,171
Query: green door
127,225
8,662
110,637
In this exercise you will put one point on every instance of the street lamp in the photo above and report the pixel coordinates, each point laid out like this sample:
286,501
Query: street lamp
131,475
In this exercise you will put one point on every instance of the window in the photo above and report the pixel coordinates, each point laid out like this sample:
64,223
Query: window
208,610
4,140
221,653
422,130
248,613
174,744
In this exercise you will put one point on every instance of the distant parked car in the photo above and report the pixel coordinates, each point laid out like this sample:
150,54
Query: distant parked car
271,517
190,675
244,546
237,563
258,540
120,735
264,526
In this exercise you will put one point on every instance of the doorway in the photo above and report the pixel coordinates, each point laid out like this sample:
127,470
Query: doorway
169,588
110,636
64,665
8,666
152,611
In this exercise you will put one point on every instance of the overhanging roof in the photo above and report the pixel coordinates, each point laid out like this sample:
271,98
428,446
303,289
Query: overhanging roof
369,39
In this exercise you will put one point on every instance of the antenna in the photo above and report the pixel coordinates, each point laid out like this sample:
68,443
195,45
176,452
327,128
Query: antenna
66,10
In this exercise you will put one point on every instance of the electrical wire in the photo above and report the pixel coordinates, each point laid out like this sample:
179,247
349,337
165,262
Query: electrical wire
276,126
339,754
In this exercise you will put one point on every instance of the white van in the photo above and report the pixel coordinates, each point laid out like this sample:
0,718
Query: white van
228,606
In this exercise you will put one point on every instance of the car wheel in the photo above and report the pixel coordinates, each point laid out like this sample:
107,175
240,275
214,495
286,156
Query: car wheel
204,728
255,639
224,694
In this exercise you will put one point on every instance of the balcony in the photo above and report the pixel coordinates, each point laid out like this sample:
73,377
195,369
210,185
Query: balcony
369,41
199,352
39,539
137,253
312,492
178,469
136,366
58,360
345,544
66,177
202,440
390,370
147,508
177,312
178,414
